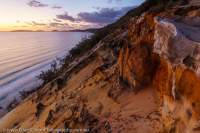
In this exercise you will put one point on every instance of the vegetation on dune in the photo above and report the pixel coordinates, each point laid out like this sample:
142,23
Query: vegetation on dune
50,74
58,67
88,43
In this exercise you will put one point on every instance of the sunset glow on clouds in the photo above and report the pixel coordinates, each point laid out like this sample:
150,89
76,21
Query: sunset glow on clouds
61,14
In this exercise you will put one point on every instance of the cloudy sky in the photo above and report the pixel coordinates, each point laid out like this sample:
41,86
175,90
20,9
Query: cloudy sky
61,14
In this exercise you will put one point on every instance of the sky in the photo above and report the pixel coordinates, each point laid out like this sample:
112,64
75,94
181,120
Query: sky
61,14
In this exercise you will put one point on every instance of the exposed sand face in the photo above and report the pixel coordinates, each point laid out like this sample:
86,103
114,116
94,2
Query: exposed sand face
113,91
138,113
88,91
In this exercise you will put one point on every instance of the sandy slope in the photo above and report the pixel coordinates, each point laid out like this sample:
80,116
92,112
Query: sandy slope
110,88
90,90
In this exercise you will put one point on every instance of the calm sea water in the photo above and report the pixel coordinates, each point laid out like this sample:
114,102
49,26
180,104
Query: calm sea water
23,55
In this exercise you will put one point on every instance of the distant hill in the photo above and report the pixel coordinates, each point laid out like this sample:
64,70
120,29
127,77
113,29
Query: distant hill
22,31
92,30
76,30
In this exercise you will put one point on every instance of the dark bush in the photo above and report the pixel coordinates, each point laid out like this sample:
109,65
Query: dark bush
84,46
49,75
39,109
88,43
60,83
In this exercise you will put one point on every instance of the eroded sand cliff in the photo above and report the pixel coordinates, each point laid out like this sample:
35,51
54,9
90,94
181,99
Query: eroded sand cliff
141,79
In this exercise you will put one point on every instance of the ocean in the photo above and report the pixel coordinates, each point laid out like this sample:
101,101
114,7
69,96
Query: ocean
23,55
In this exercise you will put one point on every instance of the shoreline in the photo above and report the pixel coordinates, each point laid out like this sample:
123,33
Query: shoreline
26,79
